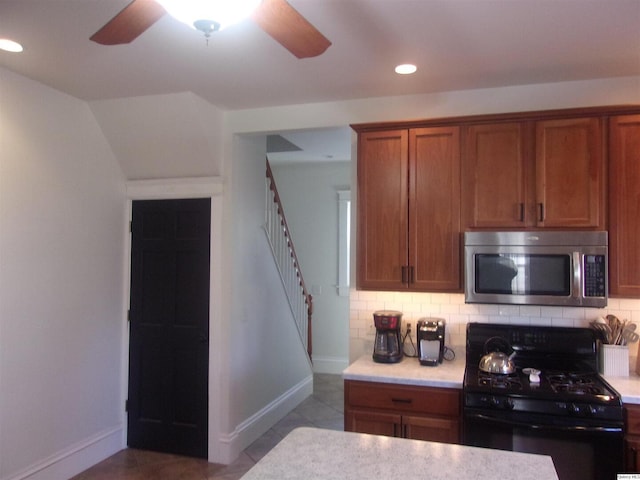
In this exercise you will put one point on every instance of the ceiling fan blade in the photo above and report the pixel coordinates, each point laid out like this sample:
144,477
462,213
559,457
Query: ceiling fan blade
290,29
127,25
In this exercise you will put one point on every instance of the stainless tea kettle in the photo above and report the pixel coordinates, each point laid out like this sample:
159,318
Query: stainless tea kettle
496,359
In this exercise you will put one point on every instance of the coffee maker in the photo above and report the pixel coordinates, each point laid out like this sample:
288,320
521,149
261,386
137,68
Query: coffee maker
387,347
430,332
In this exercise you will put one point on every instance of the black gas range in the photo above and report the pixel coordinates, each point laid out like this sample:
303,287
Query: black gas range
554,403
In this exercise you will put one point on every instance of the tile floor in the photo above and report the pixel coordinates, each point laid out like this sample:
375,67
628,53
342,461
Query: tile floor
324,409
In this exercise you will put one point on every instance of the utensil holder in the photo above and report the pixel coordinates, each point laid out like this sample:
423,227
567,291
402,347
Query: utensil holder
614,360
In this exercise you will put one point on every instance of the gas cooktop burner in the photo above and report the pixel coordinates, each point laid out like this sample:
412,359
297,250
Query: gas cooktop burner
576,383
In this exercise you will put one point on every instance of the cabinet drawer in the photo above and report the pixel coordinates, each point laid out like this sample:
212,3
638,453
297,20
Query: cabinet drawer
632,413
402,398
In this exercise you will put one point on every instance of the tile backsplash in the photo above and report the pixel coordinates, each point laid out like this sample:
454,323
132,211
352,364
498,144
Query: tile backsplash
457,314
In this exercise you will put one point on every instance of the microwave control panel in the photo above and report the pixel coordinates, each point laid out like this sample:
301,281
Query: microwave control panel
594,276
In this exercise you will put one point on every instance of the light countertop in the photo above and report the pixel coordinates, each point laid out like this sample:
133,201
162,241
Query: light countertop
451,374
627,387
408,372
312,453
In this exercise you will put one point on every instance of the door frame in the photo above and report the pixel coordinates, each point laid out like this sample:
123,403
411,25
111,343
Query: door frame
172,189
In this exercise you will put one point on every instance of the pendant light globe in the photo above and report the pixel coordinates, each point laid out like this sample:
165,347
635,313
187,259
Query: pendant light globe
221,13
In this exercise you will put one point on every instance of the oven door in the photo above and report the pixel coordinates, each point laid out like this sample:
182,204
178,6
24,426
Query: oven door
579,449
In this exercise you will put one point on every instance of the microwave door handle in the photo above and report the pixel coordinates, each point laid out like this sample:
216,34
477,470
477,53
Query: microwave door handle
577,278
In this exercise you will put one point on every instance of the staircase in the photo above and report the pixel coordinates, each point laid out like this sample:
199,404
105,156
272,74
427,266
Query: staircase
300,301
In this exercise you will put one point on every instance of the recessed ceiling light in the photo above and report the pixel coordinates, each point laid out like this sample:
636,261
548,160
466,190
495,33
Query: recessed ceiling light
10,45
406,69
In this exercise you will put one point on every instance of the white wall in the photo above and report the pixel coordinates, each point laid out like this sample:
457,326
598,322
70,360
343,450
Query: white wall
176,135
308,192
267,371
585,93
61,297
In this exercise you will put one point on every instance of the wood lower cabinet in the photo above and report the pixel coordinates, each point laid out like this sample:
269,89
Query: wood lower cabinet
632,438
624,205
420,413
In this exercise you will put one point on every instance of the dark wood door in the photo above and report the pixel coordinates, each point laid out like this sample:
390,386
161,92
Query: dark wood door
570,173
496,192
624,206
382,210
434,209
169,326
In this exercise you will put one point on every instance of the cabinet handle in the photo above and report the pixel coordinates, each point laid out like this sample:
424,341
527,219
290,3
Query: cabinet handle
522,212
411,277
402,400
541,209
405,274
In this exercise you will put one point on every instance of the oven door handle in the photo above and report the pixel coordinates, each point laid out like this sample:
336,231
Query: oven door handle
537,426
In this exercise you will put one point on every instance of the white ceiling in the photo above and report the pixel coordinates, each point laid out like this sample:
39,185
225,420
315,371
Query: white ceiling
457,45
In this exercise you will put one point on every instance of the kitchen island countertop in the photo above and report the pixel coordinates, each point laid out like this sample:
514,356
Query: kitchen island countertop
313,453
450,375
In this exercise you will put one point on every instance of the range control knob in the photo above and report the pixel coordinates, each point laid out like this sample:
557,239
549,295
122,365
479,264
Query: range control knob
576,409
502,403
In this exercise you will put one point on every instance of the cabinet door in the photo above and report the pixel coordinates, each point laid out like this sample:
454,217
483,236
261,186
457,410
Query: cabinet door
495,170
382,210
570,173
632,454
433,429
434,209
624,206
375,423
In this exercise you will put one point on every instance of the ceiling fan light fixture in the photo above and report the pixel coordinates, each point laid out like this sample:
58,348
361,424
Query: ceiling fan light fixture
220,13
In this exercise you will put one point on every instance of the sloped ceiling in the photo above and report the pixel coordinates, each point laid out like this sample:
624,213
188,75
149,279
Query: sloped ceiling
163,136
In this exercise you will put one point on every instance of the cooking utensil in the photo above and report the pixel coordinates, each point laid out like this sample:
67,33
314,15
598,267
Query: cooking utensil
628,334
497,361
604,330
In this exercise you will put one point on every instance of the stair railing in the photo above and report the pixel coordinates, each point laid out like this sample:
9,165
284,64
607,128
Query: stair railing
284,253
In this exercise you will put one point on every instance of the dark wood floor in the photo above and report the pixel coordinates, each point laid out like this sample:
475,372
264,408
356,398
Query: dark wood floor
324,409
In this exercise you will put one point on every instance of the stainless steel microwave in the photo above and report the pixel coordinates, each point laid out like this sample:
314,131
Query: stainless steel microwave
537,268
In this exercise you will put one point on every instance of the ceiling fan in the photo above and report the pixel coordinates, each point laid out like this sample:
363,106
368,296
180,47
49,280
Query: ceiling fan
276,17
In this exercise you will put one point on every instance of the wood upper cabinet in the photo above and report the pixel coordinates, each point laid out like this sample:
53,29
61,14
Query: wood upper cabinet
534,174
624,206
570,173
383,196
434,209
495,174
409,209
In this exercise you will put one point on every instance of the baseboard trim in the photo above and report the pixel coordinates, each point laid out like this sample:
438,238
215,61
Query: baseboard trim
254,427
333,365
75,459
